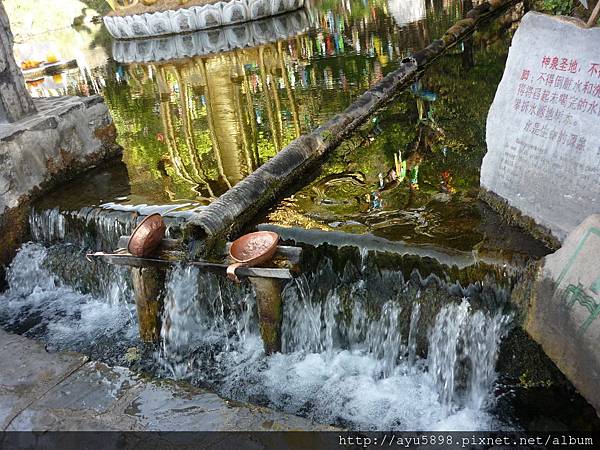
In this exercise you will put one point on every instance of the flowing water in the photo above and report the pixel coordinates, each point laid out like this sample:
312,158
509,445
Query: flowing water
351,356
364,344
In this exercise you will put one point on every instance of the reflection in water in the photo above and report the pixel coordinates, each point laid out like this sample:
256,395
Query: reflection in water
196,113
221,115
412,174
228,100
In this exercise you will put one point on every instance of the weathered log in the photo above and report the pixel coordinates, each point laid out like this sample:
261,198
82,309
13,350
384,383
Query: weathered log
594,16
234,209
270,314
291,255
148,287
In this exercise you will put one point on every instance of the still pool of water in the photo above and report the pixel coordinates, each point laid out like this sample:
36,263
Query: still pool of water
192,127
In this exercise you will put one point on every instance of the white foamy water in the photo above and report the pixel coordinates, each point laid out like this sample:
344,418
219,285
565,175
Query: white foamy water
349,360
358,371
59,314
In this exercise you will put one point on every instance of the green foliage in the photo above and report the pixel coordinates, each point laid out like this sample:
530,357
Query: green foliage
558,7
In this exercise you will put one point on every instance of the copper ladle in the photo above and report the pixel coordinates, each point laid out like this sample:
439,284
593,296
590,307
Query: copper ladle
251,250
147,236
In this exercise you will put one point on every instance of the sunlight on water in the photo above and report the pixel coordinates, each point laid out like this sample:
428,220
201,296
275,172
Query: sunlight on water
348,360
359,372
65,318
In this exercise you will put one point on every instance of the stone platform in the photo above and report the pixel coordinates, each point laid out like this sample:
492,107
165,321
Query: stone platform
43,391
171,17
63,138
66,135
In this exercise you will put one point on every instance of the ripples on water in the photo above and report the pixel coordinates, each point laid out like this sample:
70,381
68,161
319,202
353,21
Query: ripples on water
349,358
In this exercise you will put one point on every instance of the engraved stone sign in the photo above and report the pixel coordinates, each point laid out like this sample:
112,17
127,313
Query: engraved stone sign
543,130
564,311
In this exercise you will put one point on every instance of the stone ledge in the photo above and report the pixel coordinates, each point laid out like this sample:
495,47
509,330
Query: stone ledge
513,216
41,391
207,15
205,43
66,136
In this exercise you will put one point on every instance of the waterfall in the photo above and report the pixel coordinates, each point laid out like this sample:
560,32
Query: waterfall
463,347
201,310
92,228
415,315
39,305
99,228
362,347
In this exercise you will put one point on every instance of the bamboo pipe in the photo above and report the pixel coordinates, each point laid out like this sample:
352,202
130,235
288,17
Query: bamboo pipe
594,17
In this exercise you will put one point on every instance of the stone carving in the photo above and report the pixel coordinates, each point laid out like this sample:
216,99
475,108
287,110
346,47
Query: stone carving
209,16
185,45
139,26
214,41
278,6
124,27
564,310
543,157
211,41
235,11
196,18
259,8
183,21
159,23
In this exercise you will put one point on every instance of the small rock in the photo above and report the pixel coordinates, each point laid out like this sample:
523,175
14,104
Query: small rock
133,354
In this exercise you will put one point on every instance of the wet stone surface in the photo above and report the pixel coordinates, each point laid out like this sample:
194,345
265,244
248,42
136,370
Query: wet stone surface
64,392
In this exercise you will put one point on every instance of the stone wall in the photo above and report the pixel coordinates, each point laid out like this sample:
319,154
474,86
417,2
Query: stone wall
67,136
561,305
171,17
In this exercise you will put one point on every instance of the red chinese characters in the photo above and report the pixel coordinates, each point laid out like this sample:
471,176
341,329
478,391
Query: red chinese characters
561,64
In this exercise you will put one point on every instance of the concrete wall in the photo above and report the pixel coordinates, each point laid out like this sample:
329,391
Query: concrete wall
67,136
561,305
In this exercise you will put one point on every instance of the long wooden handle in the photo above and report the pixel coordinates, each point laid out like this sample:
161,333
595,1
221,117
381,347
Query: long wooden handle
231,272
125,259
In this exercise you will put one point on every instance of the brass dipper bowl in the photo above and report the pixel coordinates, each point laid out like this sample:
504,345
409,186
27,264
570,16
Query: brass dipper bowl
251,250
147,236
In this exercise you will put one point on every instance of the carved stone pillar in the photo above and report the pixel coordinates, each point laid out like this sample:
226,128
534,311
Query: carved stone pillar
15,101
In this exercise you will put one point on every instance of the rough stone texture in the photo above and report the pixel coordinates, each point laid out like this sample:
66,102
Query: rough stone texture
67,134
43,391
202,43
543,157
15,101
563,308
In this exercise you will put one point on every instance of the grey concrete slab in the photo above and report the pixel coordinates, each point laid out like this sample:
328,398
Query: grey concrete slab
564,309
44,391
28,372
